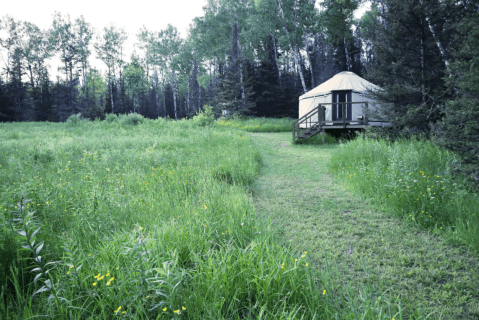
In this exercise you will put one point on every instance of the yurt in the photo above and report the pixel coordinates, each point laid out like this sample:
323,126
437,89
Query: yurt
344,87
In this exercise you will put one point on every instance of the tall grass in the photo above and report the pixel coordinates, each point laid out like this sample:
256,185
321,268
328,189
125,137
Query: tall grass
412,179
152,221
258,124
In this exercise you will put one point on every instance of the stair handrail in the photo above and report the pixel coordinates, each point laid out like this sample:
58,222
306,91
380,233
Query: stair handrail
304,119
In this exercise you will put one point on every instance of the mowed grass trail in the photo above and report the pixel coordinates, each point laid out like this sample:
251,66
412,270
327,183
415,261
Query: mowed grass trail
374,264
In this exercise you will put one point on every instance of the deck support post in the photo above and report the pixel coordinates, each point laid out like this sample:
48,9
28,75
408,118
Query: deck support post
322,133
366,114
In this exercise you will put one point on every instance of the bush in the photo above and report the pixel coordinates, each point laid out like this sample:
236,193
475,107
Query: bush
132,119
204,117
75,119
111,117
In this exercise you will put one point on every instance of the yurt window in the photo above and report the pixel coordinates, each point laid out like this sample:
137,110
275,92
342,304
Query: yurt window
340,97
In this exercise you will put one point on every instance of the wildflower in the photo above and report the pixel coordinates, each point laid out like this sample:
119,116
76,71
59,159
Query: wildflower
107,274
183,308
176,311
164,309
118,310
95,283
324,292
71,267
68,272
242,223
306,264
295,260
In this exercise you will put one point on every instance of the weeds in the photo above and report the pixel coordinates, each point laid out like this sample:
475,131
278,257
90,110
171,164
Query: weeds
139,221
412,179
258,124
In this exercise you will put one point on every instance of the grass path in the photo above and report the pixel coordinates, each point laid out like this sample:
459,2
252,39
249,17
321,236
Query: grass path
371,254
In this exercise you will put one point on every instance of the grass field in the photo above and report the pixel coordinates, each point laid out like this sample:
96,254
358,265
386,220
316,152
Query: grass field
175,220
258,124
153,221
414,180
373,263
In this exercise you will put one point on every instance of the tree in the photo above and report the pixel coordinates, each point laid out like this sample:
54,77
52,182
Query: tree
407,66
168,45
135,82
459,129
234,94
109,49
84,33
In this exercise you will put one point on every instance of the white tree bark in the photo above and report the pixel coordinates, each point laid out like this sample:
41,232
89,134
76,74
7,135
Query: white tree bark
273,35
293,52
348,59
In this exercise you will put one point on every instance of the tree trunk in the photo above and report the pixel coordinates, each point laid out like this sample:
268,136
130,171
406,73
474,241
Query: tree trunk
348,60
173,82
273,36
163,97
435,37
111,92
293,52
243,94
423,89
306,47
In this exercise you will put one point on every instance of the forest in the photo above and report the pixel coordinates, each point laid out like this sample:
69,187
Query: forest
255,58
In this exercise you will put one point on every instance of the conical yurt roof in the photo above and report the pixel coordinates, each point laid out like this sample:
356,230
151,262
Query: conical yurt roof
345,80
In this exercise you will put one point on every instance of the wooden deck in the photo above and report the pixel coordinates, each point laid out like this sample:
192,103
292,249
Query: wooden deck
315,122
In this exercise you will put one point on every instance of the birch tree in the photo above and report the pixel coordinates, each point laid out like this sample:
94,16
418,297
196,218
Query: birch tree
109,49
168,45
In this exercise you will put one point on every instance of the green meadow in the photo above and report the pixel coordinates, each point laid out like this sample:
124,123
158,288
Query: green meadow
151,221
156,219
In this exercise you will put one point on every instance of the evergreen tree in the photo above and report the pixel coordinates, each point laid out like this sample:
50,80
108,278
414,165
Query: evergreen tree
459,129
234,92
408,66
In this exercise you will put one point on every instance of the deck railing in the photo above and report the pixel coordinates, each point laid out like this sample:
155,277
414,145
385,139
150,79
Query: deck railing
315,120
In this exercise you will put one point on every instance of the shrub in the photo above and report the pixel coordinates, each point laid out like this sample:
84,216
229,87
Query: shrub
132,119
111,117
75,119
204,117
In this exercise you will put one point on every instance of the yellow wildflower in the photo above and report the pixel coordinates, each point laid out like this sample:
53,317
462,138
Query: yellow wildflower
94,283
324,292
176,311
183,308
118,310
164,309
306,264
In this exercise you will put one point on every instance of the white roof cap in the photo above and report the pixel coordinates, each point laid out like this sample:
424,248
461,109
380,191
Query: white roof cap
345,80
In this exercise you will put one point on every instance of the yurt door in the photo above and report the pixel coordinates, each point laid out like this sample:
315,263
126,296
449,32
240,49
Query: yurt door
339,98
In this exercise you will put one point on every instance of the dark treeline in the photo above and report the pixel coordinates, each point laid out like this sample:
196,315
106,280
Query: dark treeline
255,57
